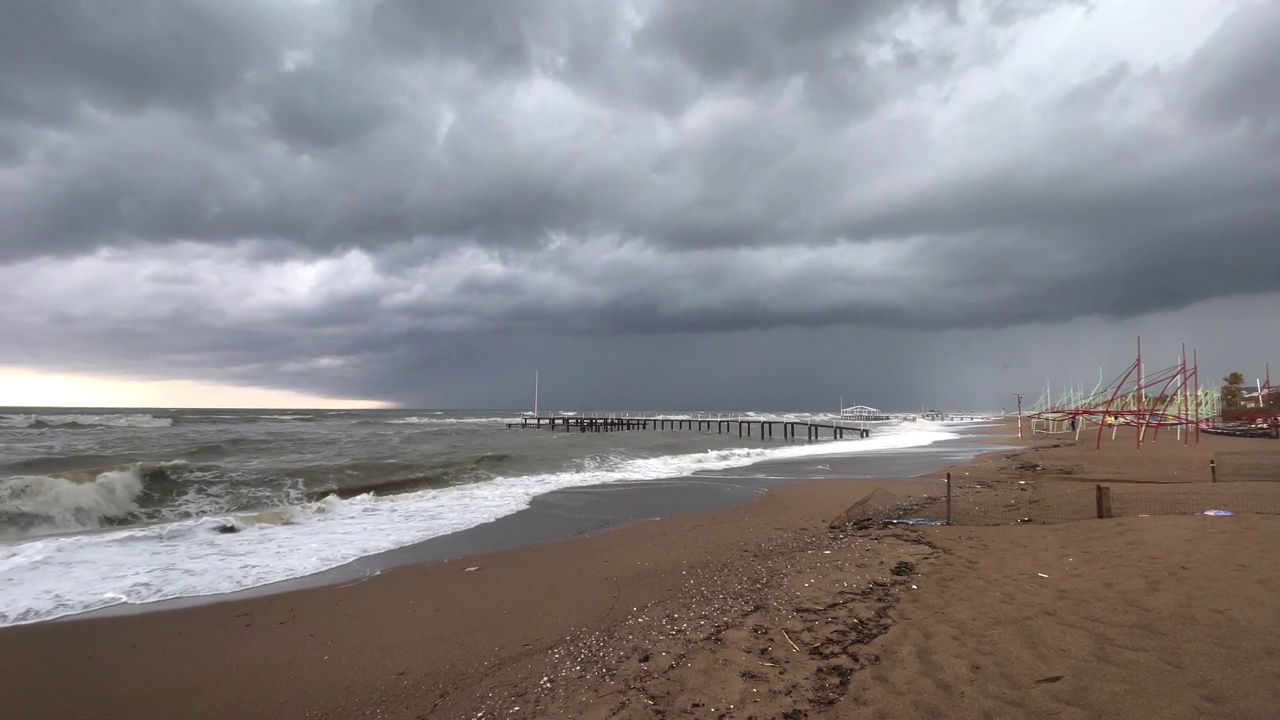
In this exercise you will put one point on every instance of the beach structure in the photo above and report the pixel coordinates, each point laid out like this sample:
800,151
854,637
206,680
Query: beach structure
1256,412
862,414
1168,398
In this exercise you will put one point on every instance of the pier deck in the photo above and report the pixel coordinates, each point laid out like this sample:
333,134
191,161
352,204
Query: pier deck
745,427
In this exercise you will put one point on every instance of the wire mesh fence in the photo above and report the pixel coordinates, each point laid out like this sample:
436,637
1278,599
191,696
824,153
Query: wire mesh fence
971,501
1245,466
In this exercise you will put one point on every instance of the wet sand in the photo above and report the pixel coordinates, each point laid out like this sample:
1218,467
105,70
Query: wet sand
758,610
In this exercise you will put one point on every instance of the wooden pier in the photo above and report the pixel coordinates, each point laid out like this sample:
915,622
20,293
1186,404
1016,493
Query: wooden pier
745,427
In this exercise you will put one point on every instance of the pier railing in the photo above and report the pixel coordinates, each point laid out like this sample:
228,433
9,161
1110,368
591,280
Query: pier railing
744,426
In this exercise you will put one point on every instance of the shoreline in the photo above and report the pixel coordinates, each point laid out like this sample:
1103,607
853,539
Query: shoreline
182,517
589,510
762,609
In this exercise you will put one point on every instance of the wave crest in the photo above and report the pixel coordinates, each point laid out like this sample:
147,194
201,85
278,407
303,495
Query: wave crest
42,504
80,420
421,420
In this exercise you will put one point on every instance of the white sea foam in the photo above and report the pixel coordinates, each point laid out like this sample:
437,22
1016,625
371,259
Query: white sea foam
54,576
138,421
419,420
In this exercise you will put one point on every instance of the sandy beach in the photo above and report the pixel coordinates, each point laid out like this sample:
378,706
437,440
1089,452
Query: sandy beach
759,610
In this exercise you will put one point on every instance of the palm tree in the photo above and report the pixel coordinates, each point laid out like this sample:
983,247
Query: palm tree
1231,390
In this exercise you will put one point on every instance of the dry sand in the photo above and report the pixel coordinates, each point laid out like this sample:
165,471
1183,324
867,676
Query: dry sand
758,611
1162,617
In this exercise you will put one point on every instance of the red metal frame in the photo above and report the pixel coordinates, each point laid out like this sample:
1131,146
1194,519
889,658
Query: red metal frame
1150,410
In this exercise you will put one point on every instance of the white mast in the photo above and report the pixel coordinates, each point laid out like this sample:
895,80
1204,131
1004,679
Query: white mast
535,393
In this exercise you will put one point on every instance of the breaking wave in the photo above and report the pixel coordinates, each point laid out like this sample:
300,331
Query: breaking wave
421,420
84,421
69,501
43,504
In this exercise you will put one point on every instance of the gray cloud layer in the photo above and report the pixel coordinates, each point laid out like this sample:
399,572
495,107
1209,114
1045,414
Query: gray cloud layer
333,196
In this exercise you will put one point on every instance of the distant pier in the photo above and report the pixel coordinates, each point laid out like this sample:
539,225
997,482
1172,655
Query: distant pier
936,416
745,427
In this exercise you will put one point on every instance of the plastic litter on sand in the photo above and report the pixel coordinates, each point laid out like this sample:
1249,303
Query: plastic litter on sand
915,521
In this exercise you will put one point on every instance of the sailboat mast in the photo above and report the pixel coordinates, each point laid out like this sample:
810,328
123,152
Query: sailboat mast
535,393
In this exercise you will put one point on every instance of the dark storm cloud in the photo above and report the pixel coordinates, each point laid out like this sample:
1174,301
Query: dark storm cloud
1236,74
328,195
323,106
122,57
414,119
489,33
756,42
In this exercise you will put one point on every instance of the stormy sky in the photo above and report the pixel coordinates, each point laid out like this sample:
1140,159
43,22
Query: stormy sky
715,204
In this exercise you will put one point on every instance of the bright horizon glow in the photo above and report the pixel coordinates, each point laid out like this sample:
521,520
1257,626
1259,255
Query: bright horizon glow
31,388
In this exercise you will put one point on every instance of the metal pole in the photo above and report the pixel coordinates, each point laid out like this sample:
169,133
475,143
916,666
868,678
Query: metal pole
1195,368
948,498
1186,438
1019,396
1142,398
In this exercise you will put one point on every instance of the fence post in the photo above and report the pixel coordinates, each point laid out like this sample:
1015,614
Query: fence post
1213,470
948,498
1104,502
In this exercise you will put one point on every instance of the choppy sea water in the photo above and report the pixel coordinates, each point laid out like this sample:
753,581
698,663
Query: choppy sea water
99,508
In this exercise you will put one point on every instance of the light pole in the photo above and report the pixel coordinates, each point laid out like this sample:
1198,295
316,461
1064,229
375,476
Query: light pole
1019,396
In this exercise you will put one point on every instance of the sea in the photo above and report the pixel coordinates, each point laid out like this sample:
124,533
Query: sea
102,507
